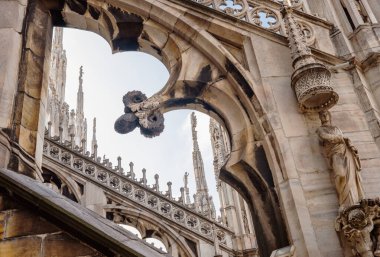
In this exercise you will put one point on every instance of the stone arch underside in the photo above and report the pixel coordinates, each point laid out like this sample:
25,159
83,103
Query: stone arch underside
150,226
71,184
214,82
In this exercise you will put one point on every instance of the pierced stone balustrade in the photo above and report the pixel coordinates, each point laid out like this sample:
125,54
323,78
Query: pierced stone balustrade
262,13
137,191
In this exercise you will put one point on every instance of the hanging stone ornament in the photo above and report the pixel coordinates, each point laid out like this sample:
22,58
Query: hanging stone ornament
143,112
311,80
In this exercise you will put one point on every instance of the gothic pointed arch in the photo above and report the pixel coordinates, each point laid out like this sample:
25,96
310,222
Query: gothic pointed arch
204,76
151,226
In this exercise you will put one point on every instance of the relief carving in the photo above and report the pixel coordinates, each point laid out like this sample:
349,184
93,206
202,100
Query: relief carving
360,226
343,160
311,80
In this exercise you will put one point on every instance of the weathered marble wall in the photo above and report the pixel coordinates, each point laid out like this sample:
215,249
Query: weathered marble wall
248,89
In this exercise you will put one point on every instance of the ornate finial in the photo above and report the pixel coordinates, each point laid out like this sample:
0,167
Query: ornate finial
144,180
139,111
131,173
72,141
156,185
187,191
83,141
193,120
94,142
311,80
60,133
94,127
169,192
80,94
182,198
194,132
119,168
80,75
49,129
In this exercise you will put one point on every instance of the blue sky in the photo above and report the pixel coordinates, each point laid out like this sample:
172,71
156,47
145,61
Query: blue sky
107,77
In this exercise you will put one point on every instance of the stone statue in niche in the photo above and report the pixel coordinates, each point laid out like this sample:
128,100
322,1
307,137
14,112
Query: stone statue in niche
343,160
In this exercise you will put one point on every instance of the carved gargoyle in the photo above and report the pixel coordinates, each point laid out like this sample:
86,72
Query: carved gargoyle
143,112
360,226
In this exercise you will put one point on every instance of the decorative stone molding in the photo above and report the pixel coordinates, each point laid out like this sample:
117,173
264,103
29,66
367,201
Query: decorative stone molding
311,80
360,226
261,13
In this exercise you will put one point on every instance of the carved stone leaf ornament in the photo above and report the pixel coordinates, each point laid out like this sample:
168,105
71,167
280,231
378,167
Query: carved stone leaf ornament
142,112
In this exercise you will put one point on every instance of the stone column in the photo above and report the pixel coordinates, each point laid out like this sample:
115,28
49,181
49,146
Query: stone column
29,112
12,15
371,15
354,13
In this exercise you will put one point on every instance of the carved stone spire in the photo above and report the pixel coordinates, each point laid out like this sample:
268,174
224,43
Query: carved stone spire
202,197
56,82
199,173
311,80
94,142
80,93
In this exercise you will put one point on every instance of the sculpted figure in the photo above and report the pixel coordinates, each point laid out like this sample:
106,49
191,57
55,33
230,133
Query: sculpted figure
343,160
358,232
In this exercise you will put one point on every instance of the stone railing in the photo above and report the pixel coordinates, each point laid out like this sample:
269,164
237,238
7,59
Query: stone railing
135,190
263,13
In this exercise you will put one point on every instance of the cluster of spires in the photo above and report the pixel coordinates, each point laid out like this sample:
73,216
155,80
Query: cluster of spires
184,198
202,202
70,130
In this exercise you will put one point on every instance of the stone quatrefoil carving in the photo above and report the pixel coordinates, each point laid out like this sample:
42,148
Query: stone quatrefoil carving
260,13
139,111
